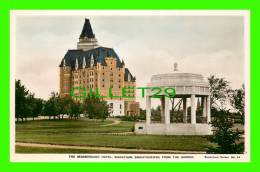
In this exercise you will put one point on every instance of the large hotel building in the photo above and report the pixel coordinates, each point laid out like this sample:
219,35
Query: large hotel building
91,66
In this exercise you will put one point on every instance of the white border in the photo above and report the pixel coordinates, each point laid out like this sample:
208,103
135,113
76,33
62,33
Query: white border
14,157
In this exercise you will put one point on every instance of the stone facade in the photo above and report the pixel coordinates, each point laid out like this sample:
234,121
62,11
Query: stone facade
97,68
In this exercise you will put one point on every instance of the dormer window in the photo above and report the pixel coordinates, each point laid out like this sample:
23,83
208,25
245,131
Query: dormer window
76,64
92,61
64,63
129,77
84,63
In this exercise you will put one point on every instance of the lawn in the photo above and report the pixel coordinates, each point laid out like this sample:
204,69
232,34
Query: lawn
86,132
32,150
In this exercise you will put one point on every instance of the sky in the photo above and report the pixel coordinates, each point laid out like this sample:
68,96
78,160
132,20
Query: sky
208,45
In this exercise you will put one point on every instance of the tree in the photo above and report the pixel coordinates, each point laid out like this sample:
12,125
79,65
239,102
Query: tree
95,108
142,115
65,105
156,113
26,105
237,100
20,100
226,139
37,108
220,92
57,106
29,106
51,107
75,109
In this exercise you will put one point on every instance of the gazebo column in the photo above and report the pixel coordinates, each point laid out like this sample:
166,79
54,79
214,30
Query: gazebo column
148,110
193,109
184,110
166,110
208,110
204,107
162,109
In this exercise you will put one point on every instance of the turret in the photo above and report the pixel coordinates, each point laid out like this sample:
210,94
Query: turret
87,40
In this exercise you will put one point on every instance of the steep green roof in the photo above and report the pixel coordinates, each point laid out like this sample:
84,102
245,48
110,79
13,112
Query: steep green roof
99,54
87,30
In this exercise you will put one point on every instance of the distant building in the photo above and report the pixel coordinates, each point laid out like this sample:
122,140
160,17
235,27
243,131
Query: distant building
91,66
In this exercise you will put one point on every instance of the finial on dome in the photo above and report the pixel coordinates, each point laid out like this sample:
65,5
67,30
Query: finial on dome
175,67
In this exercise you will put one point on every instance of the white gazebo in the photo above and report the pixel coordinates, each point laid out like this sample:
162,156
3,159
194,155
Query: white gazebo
187,86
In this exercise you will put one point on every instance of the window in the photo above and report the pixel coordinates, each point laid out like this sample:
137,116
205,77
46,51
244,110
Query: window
120,107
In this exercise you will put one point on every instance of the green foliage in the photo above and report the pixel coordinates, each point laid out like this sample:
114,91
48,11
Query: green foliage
20,99
51,107
141,116
226,139
238,101
26,105
95,108
57,106
129,118
88,132
75,109
156,113
220,92
223,97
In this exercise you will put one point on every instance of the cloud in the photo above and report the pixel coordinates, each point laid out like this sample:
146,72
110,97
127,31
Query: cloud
148,45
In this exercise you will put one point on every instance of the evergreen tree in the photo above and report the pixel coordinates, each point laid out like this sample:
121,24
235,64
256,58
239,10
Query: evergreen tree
227,140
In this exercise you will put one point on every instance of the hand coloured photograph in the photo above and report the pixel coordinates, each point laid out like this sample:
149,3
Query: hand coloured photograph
130,86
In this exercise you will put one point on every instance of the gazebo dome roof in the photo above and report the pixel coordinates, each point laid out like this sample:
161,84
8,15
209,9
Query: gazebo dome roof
178,79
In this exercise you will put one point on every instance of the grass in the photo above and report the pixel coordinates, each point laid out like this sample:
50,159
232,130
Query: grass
23,149
32,150
96,133
71,126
